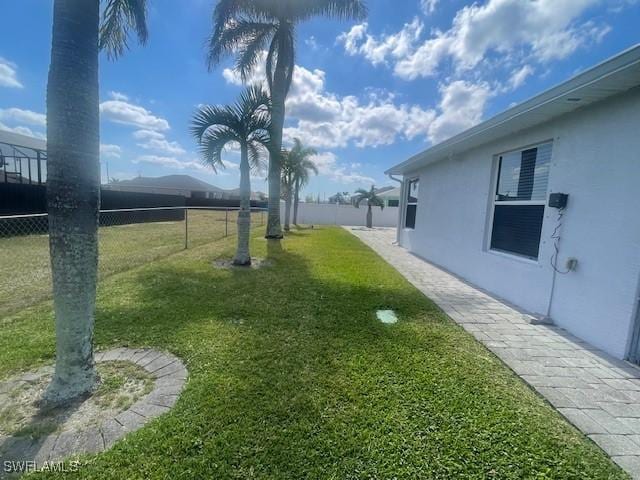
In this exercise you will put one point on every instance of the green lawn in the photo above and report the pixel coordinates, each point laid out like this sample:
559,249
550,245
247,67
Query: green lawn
292,376
25,276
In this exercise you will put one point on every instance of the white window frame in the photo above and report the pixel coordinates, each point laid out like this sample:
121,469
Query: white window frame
493,202
406,202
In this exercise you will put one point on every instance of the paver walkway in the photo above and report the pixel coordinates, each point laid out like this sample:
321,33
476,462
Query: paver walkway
599,394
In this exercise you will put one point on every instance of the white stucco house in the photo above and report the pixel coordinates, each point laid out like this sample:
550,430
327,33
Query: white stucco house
482,206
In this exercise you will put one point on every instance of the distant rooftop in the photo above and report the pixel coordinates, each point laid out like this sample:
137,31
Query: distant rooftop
24,141
175,182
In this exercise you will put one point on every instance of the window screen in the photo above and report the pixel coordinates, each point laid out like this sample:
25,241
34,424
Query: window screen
521,192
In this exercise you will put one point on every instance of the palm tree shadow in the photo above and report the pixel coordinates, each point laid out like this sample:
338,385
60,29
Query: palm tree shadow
308,332
274,249
34,441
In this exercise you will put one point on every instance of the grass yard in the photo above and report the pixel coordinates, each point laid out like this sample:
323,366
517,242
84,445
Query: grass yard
292,376
25,275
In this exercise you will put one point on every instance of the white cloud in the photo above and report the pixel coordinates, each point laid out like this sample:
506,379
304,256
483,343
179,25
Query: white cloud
377,51
325,120
119,110
327,164
544,30
428,6
519,77
257,76
171,162
18,115
461,107
118,96
185,164
9,74
22,131
108,150
312,43
152,140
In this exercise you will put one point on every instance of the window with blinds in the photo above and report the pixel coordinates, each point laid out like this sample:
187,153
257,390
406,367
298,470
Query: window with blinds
412,203
519,203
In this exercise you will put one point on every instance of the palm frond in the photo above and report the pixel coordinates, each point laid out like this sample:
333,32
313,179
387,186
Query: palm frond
250,52
236,36
118,18
247,121
337,9
209,116
213,143
257,157
300,10
229,9
254,103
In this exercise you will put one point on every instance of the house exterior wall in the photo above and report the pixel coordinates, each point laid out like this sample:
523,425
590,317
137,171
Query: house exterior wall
596,160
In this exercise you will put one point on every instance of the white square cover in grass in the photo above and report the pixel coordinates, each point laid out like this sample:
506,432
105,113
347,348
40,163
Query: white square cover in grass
387,316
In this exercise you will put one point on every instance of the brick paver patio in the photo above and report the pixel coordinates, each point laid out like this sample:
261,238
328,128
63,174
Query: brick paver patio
597,393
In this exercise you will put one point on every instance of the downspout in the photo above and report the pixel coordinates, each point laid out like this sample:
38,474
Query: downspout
634,347
400,207
390,175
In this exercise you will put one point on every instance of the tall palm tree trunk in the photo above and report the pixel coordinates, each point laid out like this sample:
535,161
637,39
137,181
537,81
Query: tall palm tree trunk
369,217
278,111
287,208
243,255
296,201
73,192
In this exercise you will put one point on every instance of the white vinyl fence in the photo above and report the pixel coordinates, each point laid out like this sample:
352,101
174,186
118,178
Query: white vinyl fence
326,214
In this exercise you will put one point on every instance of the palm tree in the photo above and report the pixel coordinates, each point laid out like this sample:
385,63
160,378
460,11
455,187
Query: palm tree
73,175
304,167
247,123
287,165
246,28
296,170
373,200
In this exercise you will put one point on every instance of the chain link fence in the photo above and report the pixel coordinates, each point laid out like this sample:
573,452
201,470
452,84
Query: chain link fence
128,238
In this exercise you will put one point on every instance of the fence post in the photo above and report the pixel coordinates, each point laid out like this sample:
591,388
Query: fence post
226,222
186,228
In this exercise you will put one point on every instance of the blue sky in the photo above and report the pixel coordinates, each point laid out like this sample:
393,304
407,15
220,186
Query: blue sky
366,95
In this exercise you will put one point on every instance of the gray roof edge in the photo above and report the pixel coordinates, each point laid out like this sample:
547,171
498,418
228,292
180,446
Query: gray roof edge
24,141
610,66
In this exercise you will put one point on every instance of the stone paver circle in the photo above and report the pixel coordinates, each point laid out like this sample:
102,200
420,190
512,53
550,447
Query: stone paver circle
169,375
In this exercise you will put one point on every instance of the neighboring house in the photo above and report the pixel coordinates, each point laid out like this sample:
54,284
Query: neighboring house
183,185
481,206
391,197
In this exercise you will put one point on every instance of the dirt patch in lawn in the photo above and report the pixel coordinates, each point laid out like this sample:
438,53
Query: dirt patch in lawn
256,264
121,385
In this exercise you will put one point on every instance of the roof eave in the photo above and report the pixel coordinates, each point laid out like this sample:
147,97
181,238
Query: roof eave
620,62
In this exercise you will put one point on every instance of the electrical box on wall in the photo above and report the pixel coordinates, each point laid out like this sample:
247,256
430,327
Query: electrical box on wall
558,200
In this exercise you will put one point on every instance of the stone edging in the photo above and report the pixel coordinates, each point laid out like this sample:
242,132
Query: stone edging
170,376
